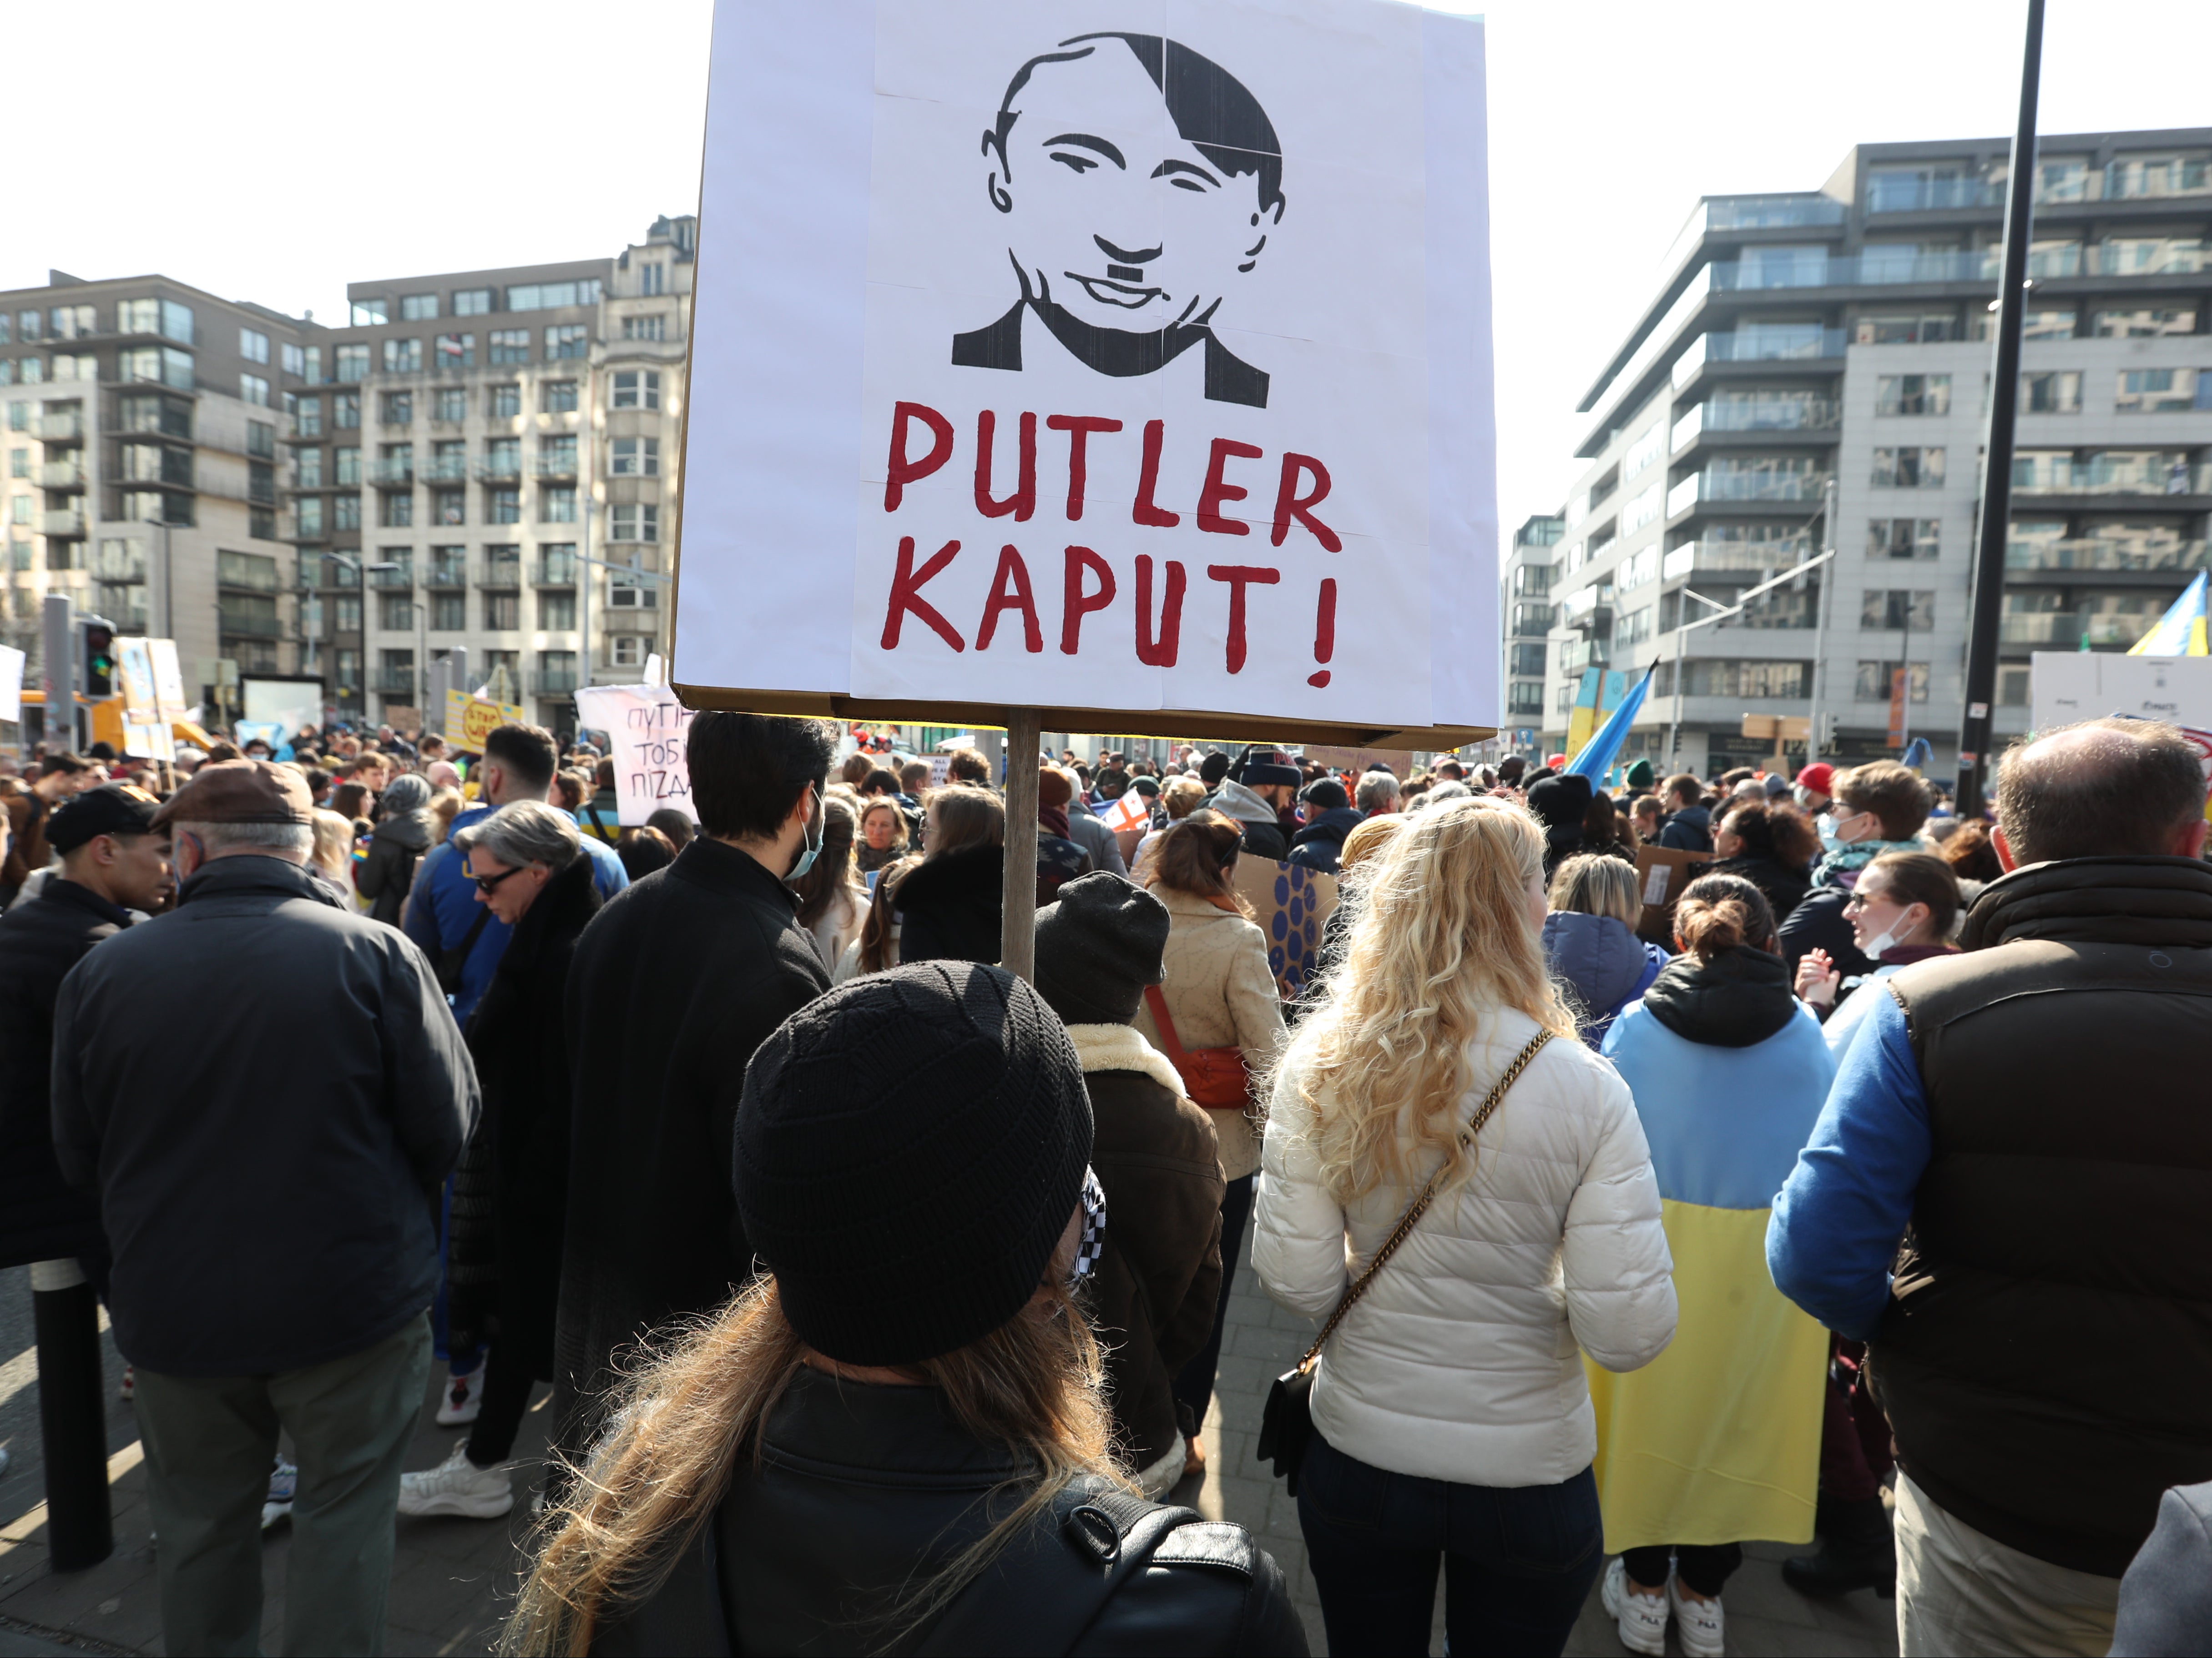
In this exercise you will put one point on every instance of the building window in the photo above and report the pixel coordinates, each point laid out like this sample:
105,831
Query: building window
505,403
397,408
307,466
556,612
403,356
346,460
1908,468
33,370
345,409
19,417
627,650
503,612
565,340
1894,609
370,313
345,609
1528,660
471,302
449,507
2162,392
261,438
418,307
510,345
177,324
556,504
1912,394
1875,678
2012,686
503,505
350,363
449,613
654,326
634,523
637,457
307,511
1910,330
551,296
652,279
261,523
451,405
2053,392
1905,537
397,509
395,613
294,360
556,456
558,397
253,345
18,463
2145,322
345,511
503,457
636,388
309,417
457,350
1719,676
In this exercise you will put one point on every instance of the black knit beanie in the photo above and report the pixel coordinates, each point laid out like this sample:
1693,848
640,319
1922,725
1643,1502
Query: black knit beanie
1212,769
907,1151
1098,945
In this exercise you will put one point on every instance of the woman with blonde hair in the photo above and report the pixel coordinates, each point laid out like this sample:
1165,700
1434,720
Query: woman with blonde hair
1719,1442
1591,942
897,1434
883,834
331,861
1439,1089
1219,1020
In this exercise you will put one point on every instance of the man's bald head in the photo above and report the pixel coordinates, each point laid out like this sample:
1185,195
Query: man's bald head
2105,788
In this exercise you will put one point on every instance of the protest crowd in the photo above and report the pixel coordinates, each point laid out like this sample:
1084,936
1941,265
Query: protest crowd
1852,1198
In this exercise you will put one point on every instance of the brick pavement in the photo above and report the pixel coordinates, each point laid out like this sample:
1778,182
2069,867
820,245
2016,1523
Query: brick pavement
452,1578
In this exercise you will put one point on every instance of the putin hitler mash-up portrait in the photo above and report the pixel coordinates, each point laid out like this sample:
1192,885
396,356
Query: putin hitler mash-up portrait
1126,234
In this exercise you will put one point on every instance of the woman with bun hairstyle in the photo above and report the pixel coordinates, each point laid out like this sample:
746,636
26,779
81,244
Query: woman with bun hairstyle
1901,913
1718,1440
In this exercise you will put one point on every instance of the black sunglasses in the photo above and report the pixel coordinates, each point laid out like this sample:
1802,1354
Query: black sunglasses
490,883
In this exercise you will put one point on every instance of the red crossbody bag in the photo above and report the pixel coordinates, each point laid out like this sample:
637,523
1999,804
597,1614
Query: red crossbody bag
1214,1077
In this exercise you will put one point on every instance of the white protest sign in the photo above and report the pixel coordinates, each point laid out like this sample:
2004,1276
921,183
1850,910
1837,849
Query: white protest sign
649,728
11,683
1116,356
2065,686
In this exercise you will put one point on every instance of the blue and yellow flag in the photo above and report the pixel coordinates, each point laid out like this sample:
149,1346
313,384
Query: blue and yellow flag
2180,631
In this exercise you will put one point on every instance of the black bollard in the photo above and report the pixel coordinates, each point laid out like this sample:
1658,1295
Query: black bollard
72,1419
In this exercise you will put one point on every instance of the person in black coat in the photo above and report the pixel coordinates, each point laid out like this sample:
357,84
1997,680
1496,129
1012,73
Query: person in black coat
511,1191
949,905
111,864
1330,816
675,983
1771,845
401,835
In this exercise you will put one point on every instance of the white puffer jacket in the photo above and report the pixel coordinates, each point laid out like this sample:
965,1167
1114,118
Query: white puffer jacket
1460,1361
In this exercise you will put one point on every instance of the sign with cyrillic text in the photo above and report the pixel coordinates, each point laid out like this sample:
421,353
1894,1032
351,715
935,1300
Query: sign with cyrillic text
1083,354
649,728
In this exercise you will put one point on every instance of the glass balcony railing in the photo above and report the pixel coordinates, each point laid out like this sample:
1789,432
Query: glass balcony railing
556,570
446,468
1713,484
403,576
447,573
1766,212
2123,473
235,624
1930,195
391,472
2093,553
391,682
69,522
499,469
2070,629
62,475
1732,558
1591,607
59,428
552,681
501,572
1782,342
1793,414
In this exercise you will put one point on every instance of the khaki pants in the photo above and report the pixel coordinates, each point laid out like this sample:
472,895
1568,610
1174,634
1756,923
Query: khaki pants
209,1443
1960,1592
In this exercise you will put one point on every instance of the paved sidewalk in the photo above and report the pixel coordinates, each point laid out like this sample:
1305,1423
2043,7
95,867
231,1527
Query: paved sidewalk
452,1579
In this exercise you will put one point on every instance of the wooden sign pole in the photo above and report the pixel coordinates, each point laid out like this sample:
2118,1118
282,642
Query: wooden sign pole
1017,896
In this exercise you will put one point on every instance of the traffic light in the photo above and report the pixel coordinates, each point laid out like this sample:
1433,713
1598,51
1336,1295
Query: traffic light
99,658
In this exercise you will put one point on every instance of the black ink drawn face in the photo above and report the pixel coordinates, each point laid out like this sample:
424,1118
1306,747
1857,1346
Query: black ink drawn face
1140,183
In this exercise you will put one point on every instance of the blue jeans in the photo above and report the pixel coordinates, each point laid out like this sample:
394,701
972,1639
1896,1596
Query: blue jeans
1519,1561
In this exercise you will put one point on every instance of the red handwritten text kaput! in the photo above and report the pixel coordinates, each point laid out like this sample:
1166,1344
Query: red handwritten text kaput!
1302,483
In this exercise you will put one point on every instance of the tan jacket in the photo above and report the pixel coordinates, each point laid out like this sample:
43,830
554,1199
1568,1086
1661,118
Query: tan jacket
1219,992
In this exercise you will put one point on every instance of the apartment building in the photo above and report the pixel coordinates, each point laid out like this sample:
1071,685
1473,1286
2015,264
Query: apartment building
139,461
1842,336
488,460
1525,585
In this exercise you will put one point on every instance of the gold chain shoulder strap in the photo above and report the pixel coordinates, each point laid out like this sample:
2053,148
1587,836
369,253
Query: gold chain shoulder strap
1420,1202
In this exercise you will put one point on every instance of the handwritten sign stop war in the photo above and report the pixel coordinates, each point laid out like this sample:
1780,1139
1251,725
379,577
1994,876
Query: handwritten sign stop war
1097,367
649,729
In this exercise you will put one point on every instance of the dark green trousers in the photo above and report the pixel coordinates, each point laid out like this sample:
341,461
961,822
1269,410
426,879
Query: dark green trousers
210,1441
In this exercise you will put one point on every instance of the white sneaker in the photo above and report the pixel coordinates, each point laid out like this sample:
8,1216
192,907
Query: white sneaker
457,1486
284,1487
1639,1619
1698,1623
464,1398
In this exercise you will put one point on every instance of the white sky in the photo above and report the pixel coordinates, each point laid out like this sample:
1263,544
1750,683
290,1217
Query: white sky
274,152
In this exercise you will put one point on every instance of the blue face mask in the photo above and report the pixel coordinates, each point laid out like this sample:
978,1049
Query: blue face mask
813,848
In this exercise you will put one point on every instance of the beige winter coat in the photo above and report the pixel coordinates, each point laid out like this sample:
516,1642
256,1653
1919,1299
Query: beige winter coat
1219,993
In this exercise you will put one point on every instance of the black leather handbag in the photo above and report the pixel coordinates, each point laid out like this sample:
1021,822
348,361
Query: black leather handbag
1287,1426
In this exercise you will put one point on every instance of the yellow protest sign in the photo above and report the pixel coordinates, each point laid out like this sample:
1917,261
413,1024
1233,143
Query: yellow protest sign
469,719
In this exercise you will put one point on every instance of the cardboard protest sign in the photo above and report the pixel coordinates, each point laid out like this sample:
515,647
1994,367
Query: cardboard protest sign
469,719
649,728
1661,873
1290,902
1111,359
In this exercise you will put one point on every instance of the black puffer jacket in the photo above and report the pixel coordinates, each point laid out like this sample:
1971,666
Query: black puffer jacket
1783,887
1737,999
1320,844
949,906
387,873
862,1492
42,1217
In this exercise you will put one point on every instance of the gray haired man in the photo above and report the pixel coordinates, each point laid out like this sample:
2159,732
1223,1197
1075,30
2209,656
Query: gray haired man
262,1050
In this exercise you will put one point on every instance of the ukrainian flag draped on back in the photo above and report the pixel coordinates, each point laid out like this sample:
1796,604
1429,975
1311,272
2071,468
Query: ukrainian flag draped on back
1719,1439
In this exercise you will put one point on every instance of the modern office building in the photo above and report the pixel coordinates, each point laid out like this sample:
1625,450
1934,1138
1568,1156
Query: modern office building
144,420
488,459
1526,603
1843,336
